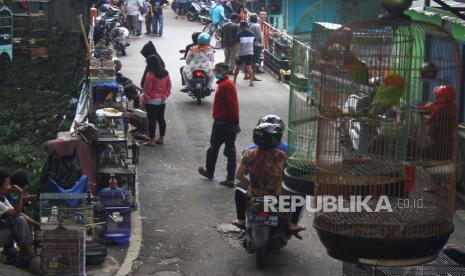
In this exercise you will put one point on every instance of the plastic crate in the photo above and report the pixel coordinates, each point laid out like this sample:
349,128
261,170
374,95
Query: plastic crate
65,209
63,252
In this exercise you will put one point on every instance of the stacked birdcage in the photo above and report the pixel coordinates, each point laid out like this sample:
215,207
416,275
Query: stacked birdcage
387,98
318,22
63,252
62,209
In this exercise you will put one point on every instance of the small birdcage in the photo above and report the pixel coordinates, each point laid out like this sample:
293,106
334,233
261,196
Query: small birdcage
63,252
62,209
322,18
387,126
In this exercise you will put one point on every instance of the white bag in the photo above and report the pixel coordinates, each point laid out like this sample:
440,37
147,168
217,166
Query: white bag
140,18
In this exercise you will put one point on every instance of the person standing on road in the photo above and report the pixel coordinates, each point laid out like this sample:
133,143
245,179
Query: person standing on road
255,28
133,9
148,16
148,50
157,89
225,126
181,8
229,33
244,44
157,21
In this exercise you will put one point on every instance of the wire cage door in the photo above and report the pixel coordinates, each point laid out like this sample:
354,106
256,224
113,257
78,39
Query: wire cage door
387,123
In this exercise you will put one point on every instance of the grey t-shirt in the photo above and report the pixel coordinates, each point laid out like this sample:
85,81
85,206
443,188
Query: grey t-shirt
257,31
5,206
246,39
134,7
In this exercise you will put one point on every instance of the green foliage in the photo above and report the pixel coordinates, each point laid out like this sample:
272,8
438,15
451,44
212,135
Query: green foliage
34,103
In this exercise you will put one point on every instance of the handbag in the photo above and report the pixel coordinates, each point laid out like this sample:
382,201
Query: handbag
87,132
140,18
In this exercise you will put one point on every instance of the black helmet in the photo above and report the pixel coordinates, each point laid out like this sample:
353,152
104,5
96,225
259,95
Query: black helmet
195,36
263,135
273,119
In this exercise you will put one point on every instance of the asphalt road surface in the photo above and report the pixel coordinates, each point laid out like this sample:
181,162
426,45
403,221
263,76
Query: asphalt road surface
182,213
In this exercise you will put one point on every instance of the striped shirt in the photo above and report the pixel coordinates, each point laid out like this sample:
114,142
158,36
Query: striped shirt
246,39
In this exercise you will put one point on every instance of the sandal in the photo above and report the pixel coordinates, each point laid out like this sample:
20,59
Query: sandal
295,232
148,144
238,225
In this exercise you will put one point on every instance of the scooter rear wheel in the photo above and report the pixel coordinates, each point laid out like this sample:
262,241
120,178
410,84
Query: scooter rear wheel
199,100
261,257
191,17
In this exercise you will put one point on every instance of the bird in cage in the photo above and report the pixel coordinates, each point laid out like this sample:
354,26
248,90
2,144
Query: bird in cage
441,123
388,94
358,70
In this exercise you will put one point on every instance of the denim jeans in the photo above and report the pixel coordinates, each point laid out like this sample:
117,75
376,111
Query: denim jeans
157,23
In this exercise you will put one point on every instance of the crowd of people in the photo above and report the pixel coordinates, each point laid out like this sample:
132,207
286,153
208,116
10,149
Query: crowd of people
260,169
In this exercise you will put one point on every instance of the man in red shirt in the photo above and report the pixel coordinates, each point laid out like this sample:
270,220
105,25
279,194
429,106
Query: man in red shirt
225,126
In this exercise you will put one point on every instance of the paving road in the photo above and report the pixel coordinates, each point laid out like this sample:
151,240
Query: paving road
180,209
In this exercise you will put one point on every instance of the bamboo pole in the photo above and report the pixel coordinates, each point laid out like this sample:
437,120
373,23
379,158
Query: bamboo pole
84,35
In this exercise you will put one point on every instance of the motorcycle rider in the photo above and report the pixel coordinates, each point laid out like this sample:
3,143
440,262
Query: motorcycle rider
200,57
195,37
279,123
260,170
217,14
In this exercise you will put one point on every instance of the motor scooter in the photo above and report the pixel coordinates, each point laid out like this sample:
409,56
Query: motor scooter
266,232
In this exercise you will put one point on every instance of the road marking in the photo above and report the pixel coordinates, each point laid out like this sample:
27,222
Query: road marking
136,239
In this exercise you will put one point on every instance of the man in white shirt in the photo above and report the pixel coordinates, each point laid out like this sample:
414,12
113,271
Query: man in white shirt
13,224
133,9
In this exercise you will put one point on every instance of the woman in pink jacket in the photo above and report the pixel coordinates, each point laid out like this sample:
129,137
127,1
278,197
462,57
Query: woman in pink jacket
157,89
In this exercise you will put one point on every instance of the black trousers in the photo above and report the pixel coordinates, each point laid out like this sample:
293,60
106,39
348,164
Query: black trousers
257,53
222,133
156,114
241,203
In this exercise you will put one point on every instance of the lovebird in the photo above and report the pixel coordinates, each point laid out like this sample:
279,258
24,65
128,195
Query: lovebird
358,70
388,93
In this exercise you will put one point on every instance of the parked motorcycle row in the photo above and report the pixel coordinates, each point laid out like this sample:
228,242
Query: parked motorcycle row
110,28
197,10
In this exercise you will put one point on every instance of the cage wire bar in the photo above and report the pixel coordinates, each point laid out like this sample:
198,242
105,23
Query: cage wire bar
377,137
322,18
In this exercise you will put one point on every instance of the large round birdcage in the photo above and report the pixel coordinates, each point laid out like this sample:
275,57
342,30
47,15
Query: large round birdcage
321,19
388,101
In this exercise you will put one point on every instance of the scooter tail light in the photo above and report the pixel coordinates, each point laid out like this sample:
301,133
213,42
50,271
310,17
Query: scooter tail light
263,214
198,74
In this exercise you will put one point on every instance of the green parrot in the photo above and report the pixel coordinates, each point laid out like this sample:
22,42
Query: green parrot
388,93
358,69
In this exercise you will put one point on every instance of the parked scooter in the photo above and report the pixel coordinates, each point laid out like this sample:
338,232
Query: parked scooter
266,232
193,11
110,27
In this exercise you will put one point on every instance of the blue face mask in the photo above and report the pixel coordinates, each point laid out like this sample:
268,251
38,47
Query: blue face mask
219,76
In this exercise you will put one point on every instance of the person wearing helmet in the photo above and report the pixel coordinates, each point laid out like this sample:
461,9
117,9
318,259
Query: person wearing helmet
261,169
273,119
200,57
195,38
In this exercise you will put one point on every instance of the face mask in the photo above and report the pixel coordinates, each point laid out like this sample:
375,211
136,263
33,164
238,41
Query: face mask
219,76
